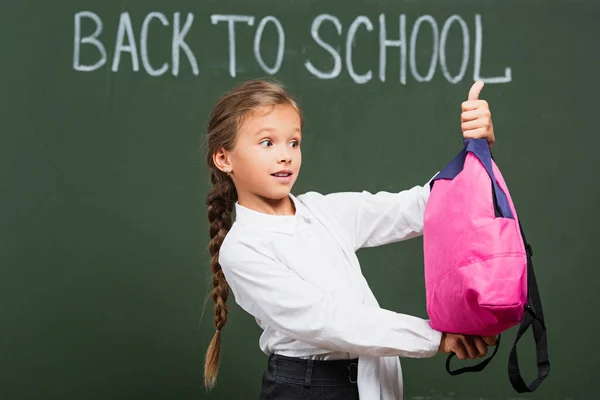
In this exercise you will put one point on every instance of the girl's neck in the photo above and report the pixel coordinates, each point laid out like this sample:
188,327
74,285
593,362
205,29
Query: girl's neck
284,206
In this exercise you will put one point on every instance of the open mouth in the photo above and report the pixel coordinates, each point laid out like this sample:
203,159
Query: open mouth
282,174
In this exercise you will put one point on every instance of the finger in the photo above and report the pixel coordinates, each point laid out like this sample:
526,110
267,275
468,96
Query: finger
474,104
459,349
475,90
471,349
481,346
474,133
489,340
480,112
483,123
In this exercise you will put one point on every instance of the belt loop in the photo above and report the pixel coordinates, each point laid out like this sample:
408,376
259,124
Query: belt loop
275,362
309,370
353,372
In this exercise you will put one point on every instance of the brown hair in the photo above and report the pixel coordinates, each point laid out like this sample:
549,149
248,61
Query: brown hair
225,120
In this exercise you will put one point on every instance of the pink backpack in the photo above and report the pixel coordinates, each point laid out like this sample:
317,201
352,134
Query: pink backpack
478,272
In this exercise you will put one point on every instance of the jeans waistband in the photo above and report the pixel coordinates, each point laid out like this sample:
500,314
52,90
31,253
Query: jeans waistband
308,371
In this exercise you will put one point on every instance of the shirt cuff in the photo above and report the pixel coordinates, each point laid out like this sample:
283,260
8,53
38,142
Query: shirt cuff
435,342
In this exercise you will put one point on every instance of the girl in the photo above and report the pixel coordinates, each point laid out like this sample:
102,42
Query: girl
290,261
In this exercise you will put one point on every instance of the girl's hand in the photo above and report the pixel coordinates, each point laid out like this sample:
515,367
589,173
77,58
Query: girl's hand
476,118
465,346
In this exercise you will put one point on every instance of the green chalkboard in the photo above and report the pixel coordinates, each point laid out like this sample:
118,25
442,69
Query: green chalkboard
104,268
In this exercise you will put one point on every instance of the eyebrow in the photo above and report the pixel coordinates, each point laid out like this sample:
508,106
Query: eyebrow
269,129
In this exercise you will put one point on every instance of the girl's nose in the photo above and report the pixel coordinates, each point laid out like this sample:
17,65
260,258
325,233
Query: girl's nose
285,156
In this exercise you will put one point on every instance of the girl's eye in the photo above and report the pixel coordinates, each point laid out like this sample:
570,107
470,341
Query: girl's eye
266,143
295,143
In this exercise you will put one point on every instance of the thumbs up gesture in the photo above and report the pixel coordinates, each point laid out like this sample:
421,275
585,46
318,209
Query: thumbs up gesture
476,118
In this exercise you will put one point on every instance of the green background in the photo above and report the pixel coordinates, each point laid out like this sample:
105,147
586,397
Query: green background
104,268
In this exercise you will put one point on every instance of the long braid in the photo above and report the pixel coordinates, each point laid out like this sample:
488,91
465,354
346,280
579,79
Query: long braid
220,201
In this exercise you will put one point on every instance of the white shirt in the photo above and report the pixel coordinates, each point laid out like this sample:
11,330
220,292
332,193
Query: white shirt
299,276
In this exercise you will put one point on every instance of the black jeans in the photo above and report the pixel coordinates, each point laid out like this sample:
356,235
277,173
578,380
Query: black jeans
288,378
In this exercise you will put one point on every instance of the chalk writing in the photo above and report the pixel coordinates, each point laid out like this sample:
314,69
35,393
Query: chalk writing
280,46
232,19
126,43
392,33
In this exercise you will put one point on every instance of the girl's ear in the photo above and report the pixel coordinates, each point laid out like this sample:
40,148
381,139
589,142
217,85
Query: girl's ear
222,160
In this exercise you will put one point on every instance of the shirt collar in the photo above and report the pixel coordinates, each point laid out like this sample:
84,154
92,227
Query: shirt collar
270,222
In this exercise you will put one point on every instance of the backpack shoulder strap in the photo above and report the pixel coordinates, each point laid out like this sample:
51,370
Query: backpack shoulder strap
534,318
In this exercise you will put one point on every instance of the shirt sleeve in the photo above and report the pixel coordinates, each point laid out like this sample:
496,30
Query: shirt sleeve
337,321
380,218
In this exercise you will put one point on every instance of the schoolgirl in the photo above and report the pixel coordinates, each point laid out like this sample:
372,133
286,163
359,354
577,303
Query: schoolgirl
290,261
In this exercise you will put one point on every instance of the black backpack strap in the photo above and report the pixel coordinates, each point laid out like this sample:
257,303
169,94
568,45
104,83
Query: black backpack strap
473,368
533,317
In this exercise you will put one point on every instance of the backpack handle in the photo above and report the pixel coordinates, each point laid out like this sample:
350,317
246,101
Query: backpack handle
480,149
473,368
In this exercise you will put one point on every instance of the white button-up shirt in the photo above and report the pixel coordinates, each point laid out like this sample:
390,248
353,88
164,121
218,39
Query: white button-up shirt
299,276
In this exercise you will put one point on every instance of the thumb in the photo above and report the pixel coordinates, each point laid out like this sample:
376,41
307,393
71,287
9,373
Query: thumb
475,90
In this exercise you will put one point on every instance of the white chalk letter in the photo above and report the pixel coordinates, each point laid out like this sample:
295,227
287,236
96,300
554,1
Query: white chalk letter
232,19
337,65
92,39
384,43
125,27
477,68
465,58
413,48
144,44
350,42
179,42
280,46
